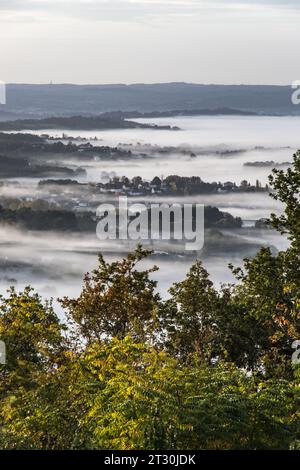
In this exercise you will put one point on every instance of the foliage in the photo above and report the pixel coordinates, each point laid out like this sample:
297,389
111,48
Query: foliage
116,300
125,395
190,316
287,190
32,335
203,369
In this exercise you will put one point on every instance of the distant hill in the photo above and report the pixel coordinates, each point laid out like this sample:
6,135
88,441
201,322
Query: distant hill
104,121
25,101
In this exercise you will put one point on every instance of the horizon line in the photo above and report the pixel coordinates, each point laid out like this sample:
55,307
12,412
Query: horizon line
125,84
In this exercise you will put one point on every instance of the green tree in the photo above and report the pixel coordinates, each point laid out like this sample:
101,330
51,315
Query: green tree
271,300
33,337
189,317
286,188
116,300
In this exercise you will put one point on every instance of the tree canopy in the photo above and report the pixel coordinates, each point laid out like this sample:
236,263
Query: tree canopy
205,368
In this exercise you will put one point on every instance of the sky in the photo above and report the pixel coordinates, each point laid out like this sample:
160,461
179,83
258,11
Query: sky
150,41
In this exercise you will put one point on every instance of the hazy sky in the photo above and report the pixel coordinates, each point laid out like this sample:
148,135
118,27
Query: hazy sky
113,41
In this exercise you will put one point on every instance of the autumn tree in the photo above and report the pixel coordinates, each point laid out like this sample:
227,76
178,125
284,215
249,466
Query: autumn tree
33,336
190,314
286,189
271,306
117,300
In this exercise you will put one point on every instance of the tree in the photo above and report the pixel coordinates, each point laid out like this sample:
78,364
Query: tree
125,394
35,348
271,301
156,182
142,398
286,186
33,337
116,300
47,415
135,396
189,316
269,289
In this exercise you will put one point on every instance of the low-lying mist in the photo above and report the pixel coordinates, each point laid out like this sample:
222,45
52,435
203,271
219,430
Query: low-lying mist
214,148
54,263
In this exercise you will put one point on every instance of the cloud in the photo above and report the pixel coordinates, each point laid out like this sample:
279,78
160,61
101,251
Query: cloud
112,41
131,10
58,5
